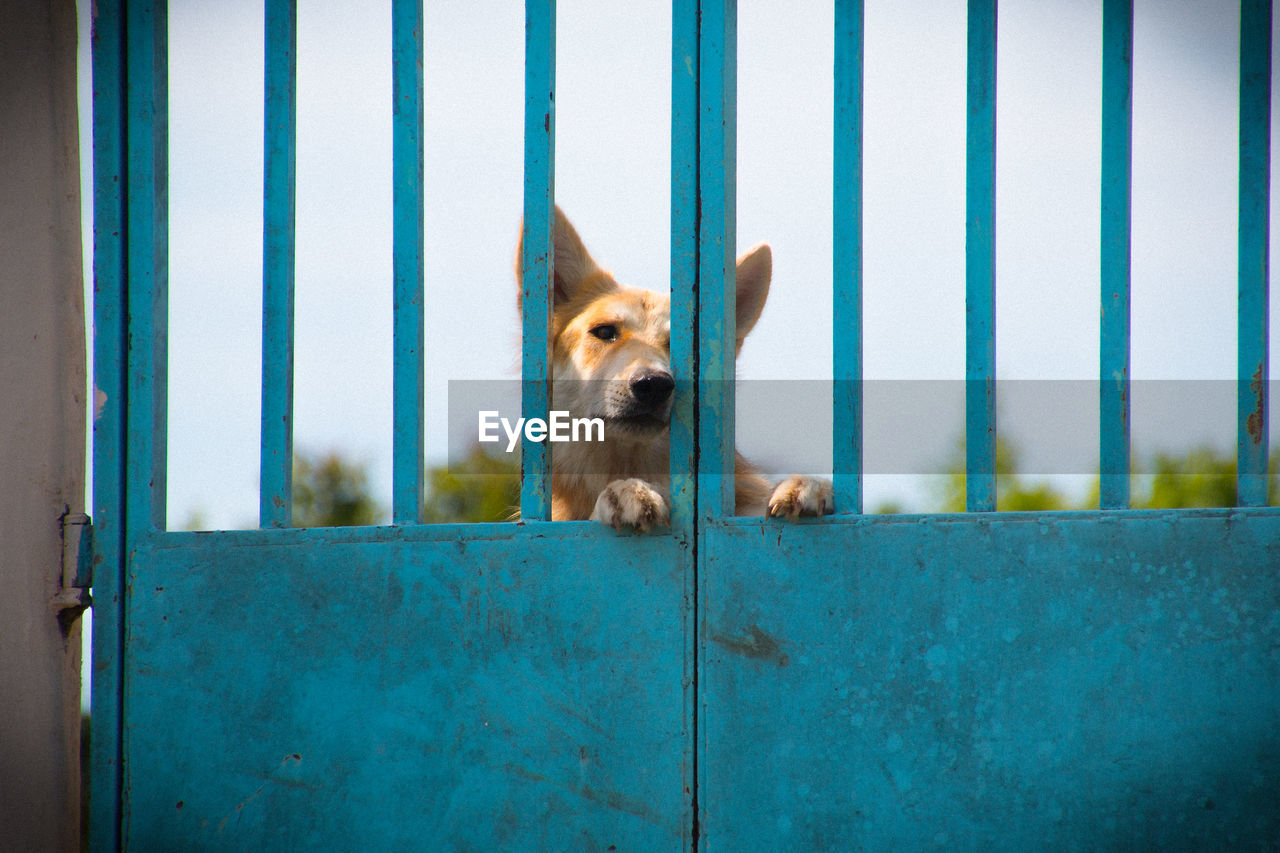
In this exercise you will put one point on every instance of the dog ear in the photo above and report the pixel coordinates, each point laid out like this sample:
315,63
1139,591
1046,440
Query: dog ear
573,263
755,270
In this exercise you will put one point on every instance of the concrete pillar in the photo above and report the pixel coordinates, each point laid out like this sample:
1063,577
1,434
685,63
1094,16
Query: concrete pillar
42,422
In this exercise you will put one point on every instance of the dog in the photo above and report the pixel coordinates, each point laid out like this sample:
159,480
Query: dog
611,359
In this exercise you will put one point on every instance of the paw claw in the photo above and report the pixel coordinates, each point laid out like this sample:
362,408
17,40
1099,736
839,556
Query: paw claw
800,496
632,504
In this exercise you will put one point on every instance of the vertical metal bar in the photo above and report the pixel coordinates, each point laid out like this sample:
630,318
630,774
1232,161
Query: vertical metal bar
109,430
275,494
684,260
1117,157
980,261
408,439
847,260
538,248
1254,262
146,212
684,366
717,328
716,335
145,231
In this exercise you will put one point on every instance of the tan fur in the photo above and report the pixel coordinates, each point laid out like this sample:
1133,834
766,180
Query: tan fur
624,480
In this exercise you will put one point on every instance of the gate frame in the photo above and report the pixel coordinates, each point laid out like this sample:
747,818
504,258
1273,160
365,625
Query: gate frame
130,346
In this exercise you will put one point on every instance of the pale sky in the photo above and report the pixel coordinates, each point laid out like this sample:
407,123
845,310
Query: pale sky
612,178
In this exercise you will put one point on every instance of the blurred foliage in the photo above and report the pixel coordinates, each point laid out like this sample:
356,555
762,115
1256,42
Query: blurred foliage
1013,491
480,487
195,520
1202,477
331,491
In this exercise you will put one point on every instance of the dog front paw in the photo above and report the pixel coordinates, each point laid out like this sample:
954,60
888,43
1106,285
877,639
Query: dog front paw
631,503
798,495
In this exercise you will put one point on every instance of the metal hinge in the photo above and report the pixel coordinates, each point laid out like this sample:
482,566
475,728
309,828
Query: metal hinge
77,567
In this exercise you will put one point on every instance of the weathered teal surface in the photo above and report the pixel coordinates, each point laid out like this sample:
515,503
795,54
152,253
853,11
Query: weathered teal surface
846,260
685,208
538,248
146,271
717,255
980,259
279,239
499,688
1018,682
1253,268
408,163
1115,248
110,333
1058,681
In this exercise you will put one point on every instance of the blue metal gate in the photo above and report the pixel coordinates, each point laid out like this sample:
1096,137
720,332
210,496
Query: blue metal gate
1059,680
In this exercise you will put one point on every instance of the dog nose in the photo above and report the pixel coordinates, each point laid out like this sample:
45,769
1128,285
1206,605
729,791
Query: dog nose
652,389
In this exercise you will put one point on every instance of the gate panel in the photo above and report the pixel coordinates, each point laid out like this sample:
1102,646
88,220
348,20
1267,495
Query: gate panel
521,691
1025,682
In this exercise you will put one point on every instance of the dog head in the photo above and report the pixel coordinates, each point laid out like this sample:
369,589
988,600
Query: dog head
611,343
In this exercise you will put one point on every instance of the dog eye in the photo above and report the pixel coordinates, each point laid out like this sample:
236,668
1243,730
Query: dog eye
607,333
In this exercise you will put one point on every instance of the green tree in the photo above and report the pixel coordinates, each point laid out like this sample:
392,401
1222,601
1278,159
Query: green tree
1014,493
1204,477
331,491
479,487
